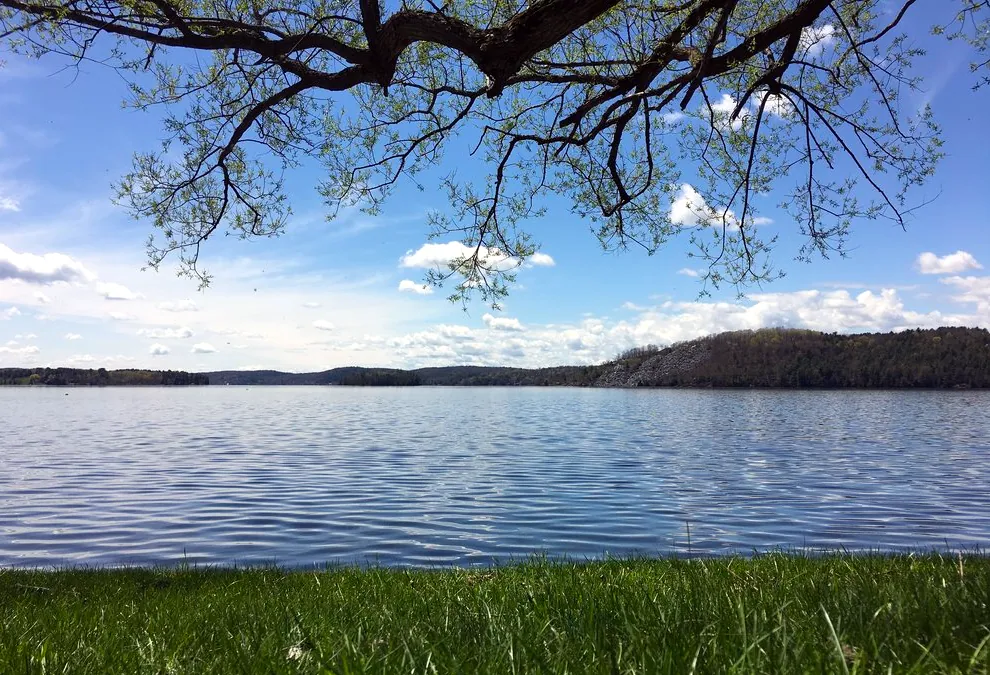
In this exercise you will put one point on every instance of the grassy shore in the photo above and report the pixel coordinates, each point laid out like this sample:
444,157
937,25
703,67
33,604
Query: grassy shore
771,613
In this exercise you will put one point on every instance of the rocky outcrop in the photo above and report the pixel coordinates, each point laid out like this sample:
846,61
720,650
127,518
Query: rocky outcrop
658,370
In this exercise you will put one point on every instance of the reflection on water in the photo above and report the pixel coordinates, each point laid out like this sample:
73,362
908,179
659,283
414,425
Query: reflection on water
463,476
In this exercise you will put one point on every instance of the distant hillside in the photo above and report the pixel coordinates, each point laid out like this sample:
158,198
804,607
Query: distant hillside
776,357
98,378
938,358
450,376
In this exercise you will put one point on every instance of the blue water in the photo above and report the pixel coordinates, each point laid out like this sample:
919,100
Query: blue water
440,476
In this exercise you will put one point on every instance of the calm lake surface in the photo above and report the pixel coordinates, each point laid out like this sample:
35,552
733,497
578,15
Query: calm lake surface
440,476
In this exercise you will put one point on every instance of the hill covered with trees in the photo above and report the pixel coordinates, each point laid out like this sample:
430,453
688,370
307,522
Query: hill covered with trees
98,378
774,357
937,358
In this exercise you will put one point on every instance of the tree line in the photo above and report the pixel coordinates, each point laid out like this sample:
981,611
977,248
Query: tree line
100,377
936,358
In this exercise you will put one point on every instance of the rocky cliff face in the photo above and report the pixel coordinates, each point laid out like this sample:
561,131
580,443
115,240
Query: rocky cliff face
658,369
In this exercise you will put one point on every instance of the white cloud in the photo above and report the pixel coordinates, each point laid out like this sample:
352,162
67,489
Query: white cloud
541,260
320,324
158,350
179,306
953,263
432,256
722,109
119,316
112,291
203,348
502,323
73,336
20,351
776,104
311,305
974,290
688,272
689,209
9,204
166,333
48,268
816,39
42,298
81,358
409,286
26,336
10,313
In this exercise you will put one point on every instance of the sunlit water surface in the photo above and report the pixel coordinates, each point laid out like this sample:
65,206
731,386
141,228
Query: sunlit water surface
439,476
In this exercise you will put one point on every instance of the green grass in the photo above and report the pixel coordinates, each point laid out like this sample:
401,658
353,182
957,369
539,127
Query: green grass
771,613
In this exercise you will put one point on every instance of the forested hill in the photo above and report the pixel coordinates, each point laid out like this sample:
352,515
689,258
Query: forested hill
937,358
98,378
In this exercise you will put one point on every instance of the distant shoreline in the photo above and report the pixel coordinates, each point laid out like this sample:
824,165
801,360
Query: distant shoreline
775,358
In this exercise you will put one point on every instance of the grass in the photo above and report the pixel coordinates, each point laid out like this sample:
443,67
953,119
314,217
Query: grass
771,613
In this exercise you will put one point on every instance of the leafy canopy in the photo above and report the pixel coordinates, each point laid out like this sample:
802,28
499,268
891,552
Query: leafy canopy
614,104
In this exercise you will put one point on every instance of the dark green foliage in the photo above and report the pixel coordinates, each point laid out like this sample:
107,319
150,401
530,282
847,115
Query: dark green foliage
381,377
98,378
938,358
772,613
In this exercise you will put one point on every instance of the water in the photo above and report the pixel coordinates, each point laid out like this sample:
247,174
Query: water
440,476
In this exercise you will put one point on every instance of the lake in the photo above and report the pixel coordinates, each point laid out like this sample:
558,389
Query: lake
460,476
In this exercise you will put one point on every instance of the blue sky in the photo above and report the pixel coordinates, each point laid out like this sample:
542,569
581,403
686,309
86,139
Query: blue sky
345,293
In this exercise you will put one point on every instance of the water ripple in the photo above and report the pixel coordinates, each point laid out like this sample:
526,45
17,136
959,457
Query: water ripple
434,476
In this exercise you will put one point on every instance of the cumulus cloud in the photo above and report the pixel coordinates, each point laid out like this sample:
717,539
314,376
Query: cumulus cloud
10,313
723,108
688,272
953,263
9,204
432,256
158,350
48,268
502,323
203,348
180,333
776,104
82,358
311,305
20,351
320,324
178,306
26,336
112,291
689,209
73,336
409,286
974,290
42,298
816,39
